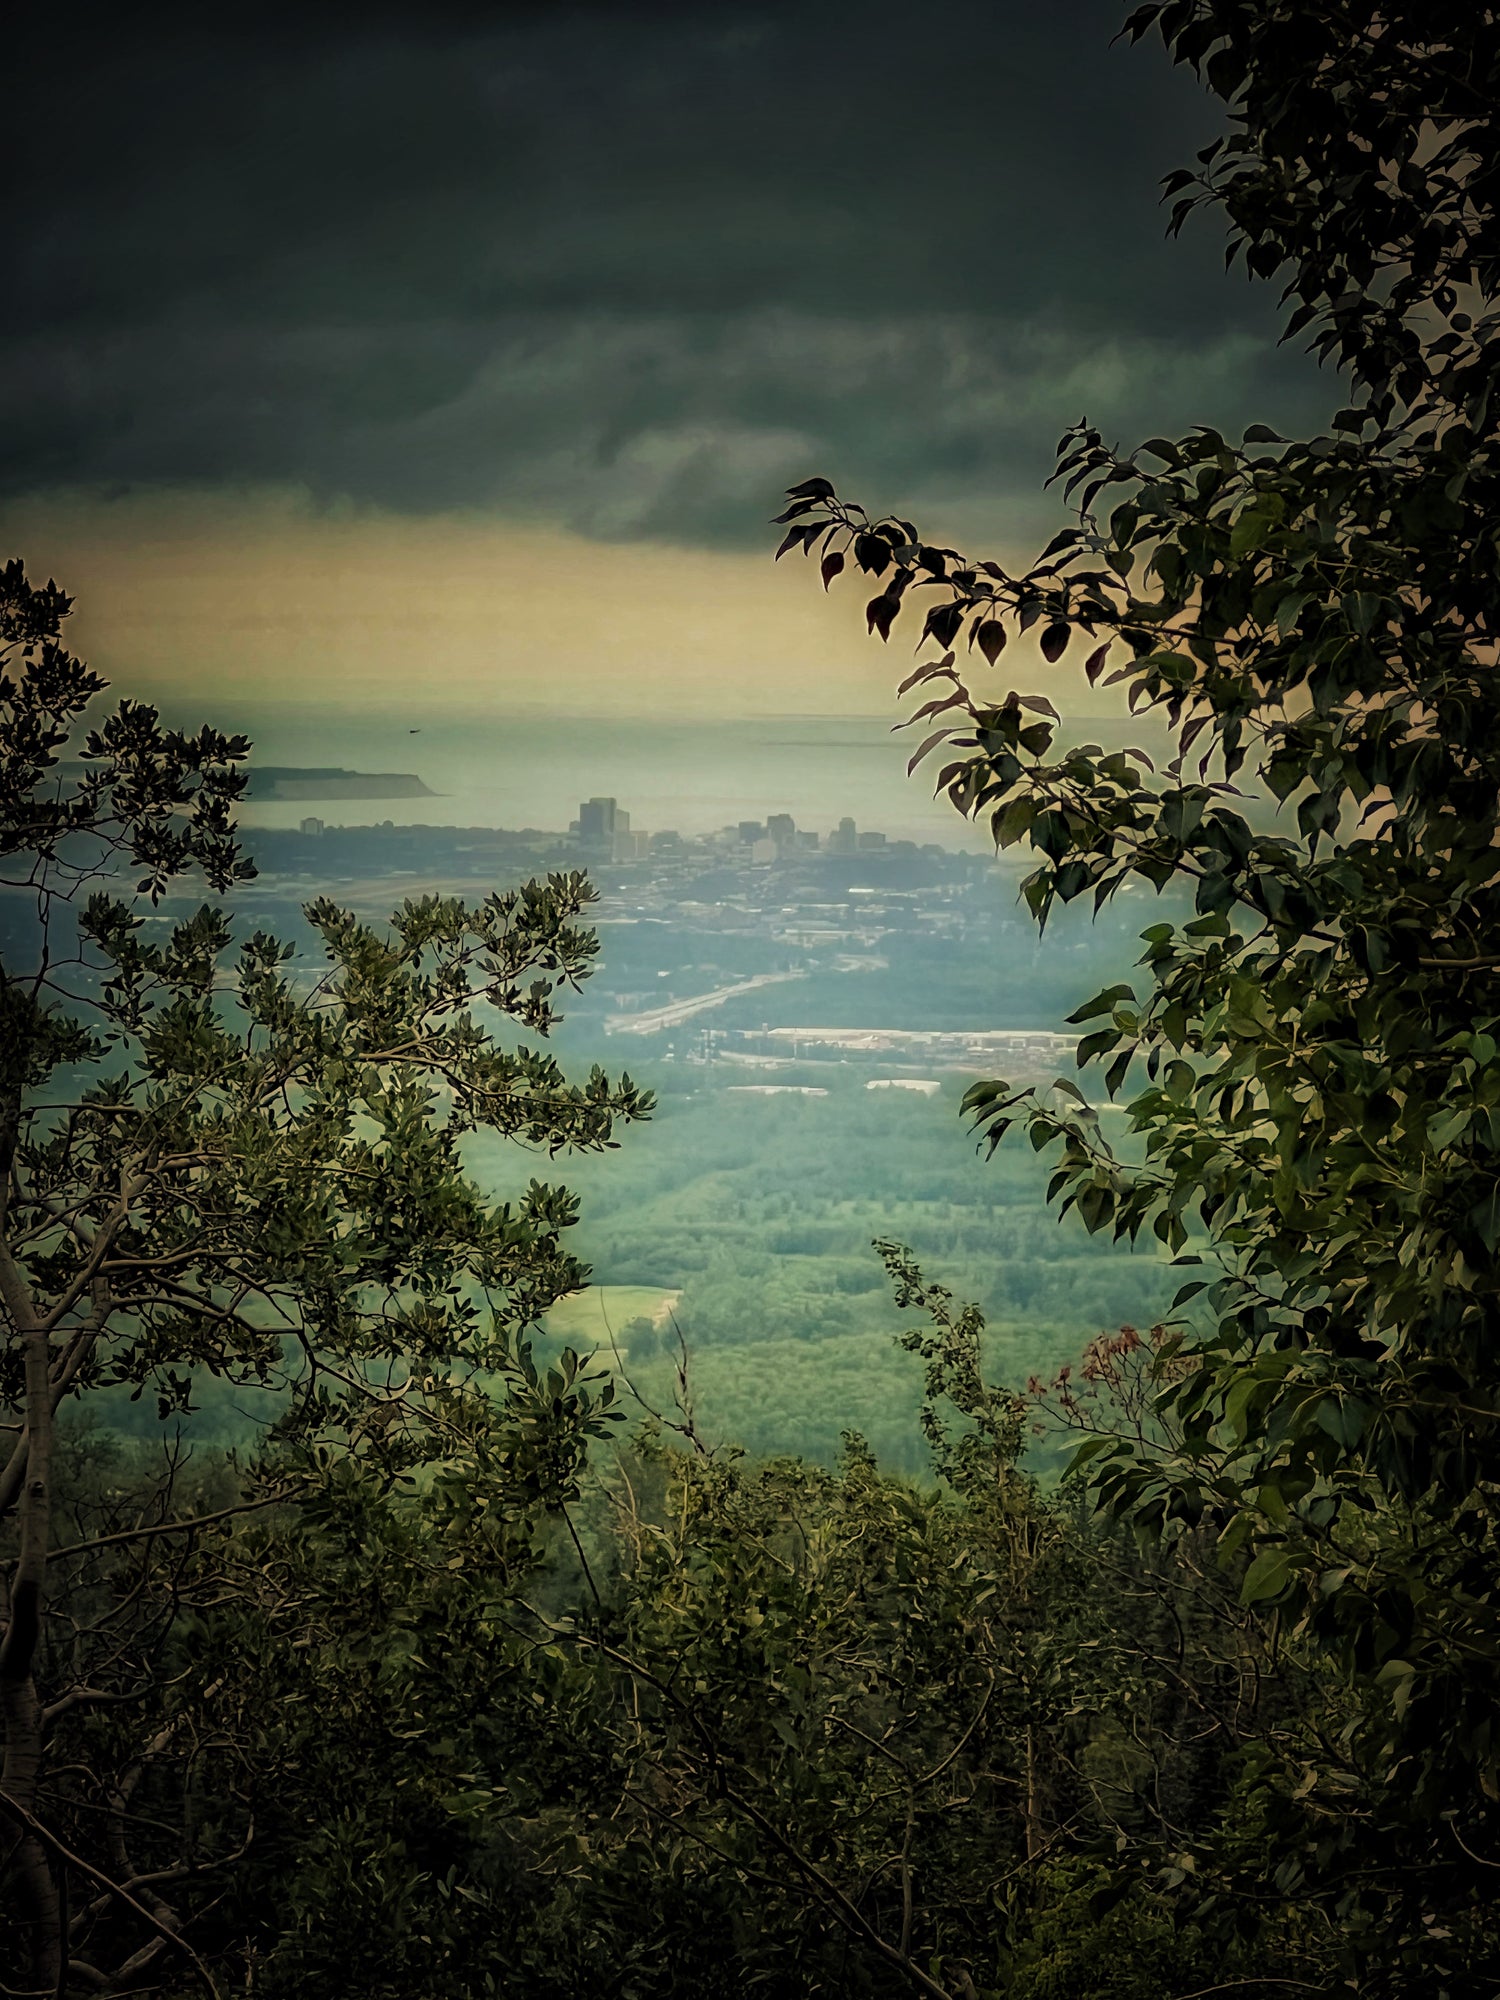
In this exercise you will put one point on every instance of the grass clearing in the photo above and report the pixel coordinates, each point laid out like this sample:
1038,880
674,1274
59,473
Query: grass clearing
585,1318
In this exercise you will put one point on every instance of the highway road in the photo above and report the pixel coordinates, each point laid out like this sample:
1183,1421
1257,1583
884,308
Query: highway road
676,1011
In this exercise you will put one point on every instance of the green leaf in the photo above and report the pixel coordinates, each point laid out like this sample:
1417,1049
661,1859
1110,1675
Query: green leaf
1444,1129
1267,1577
1101,1003
1343,1418
1249,531
1290,608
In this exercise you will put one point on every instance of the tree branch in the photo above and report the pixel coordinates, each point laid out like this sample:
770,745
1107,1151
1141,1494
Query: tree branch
35,1828
173,1527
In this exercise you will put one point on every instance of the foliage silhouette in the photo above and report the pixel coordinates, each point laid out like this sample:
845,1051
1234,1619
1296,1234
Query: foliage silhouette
1312,1060
215,1165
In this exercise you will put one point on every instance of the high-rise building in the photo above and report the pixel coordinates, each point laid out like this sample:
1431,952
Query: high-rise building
844,839
597,819
781,828
751,830
312,826
628,844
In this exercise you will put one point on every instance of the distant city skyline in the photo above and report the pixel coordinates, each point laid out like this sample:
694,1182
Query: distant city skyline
603,829
690,776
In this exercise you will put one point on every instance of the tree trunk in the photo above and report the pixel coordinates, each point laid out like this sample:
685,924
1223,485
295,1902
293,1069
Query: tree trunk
20,1710
1034,1835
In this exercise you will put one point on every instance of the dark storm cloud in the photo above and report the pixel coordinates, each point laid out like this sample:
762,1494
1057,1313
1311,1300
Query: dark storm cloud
627,269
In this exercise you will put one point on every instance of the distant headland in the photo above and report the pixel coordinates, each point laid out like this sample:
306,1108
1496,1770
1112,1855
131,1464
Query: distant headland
277,781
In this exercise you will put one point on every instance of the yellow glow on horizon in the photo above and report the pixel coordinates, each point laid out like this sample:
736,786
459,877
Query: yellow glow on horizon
261,598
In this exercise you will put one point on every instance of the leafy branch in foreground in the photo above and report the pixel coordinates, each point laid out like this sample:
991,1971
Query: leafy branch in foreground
1313,1060
209,1168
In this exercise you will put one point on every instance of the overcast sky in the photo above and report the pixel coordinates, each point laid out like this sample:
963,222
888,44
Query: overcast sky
571,294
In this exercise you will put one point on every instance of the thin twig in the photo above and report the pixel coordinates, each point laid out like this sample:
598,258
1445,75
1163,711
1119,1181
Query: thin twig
1237,1985
35,1828
172,1527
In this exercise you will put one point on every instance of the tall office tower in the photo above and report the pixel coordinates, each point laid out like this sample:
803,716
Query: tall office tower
781,828
844,840
596,822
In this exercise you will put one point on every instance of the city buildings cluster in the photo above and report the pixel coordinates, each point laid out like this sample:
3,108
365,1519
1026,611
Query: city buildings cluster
603,830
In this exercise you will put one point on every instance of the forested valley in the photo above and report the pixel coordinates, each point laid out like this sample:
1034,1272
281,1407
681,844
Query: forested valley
1074,1578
